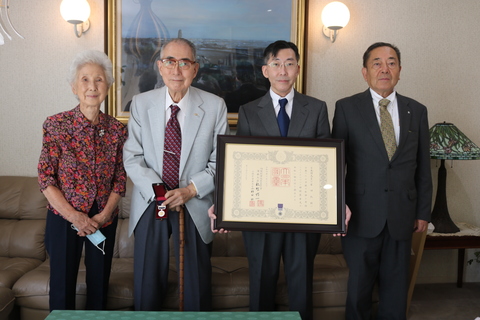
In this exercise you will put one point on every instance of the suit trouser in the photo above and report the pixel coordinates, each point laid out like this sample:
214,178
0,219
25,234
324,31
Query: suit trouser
151,262
381,259
64,248
298,250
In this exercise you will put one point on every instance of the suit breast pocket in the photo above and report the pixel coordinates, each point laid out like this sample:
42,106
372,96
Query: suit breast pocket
412,135
410,146
202,147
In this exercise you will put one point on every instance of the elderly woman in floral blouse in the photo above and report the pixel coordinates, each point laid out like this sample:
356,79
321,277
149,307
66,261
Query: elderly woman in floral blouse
81,174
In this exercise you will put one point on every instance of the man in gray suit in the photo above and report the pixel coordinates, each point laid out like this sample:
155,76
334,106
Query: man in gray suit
305,117
388,185
201,116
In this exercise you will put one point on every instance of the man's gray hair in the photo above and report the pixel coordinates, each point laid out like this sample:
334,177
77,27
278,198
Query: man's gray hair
182,40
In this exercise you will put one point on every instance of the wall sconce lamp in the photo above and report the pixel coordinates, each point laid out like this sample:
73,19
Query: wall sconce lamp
77,13
335,16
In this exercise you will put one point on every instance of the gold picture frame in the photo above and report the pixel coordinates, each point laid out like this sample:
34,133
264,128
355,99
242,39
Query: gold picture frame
122,90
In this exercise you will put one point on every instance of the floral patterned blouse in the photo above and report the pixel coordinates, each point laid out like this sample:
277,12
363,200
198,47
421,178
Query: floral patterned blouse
83,160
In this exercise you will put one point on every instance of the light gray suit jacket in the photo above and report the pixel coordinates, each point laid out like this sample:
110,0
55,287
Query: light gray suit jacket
143,151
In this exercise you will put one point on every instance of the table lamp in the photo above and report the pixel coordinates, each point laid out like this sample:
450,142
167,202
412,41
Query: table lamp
447,142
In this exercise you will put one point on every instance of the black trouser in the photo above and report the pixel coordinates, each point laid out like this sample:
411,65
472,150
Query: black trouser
264,252
381,259
151,262
64,248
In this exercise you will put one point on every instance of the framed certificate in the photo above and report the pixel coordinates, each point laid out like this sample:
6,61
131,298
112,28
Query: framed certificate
280,184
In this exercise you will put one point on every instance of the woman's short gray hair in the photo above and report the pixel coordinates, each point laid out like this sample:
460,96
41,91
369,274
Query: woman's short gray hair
91,56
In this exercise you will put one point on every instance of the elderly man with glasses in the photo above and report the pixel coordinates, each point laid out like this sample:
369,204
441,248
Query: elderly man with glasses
172,143
282,112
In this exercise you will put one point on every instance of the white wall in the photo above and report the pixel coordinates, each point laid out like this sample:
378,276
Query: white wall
437,38
33,77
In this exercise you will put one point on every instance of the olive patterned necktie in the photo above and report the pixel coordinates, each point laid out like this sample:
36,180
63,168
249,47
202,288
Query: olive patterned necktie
386,126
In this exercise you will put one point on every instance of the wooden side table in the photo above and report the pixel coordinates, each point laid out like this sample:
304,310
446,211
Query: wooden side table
454,242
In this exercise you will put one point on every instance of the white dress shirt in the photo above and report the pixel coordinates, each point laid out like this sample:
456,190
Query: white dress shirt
182,104
276,104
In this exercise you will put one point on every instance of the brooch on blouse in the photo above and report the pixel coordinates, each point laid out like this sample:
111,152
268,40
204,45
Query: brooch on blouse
101,132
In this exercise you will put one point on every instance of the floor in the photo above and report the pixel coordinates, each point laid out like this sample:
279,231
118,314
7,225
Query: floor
445,302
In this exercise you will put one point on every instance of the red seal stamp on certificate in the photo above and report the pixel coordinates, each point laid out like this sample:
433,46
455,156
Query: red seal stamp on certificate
281,177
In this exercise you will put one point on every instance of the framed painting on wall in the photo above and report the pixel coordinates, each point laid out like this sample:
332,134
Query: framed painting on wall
229,35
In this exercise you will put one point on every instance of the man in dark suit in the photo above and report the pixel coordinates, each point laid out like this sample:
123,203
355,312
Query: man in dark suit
388,187
305,117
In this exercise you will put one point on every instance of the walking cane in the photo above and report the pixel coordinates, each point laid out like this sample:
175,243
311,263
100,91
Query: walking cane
181,227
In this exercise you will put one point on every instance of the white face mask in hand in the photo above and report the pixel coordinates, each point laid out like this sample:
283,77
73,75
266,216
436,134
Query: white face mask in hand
95,238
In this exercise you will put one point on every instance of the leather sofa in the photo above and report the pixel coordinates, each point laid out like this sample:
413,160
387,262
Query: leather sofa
24,265
22,225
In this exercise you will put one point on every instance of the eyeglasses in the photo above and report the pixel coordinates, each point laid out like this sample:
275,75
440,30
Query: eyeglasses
183,64
277,65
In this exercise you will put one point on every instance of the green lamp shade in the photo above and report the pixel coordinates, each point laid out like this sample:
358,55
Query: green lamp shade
447,142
